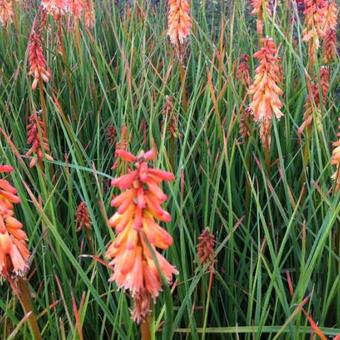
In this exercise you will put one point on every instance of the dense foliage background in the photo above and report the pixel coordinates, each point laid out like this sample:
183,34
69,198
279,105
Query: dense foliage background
267,224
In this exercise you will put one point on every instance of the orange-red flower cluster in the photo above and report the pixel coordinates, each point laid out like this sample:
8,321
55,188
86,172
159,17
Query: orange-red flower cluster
134,250
336,160
265,91
37,138
245,116
76,8
260,7
36,59
89,14
6,12
313,102
329,44
243,74
56,8
179,21
315,13
82,217
14,255
206,248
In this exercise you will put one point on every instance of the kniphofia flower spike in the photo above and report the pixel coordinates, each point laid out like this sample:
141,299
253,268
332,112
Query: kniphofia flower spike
134,250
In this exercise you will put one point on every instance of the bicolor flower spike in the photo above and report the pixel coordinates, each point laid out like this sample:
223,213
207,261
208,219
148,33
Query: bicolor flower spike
264,91
56,8
179,21
14,254
329,43
37,139
134,251
36,60
314,26
6,12
260,7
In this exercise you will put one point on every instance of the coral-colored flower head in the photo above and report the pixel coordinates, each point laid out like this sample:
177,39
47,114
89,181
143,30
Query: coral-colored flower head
331,16
264,91
260,7
314,26
134,250
89,14
82,217
329,44
179,21
37,139
206,248
314,101
76,8
14,255
36,60
6,12
56,8
243,70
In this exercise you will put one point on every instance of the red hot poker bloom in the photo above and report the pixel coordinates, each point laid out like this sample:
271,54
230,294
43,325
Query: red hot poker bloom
14,255
56,8
76,8
89,14
6,12
179,21
329,44
138,210
206,248
264,91
315,13
82,217
36,59
314,101
259,8
37,138
243,70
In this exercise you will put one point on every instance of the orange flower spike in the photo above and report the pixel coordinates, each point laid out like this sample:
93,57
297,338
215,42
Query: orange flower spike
14,255
6,12
259,8
264,91
76,8
89,14
179,21
243,74
313,101
315,13
331,16
82,217
329,45
206,248
36,60
138,208
37,138
56,8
